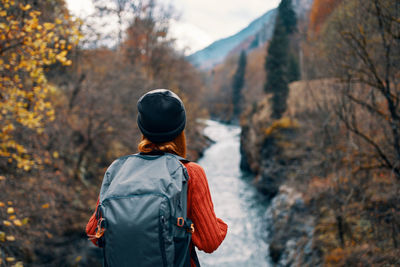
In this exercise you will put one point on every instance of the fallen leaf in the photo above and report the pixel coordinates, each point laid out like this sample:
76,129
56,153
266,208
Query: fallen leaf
12,217
17,222
10,259
6,223
9,202
48,235
46,206
25,220
78,259
2,204
10,238
2,236
10,210
2,177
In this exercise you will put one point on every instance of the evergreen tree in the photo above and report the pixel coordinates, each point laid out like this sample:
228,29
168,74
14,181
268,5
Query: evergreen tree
280,65
287,16
238,83
293,70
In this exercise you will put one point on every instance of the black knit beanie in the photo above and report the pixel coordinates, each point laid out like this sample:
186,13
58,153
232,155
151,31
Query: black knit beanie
161,115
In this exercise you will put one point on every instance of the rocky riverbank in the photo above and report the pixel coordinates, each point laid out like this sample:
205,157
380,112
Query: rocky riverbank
326,209
291,228
276,153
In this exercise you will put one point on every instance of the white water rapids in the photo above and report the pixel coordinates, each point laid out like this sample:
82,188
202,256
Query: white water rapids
236,201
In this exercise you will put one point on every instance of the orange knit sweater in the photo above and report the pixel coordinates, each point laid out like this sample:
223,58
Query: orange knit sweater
210,231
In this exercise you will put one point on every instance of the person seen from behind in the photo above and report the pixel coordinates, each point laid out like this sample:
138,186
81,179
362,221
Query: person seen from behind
161,120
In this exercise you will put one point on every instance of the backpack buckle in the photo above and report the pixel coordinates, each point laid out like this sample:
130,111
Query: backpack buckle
180,222
191,229
188,225
100,229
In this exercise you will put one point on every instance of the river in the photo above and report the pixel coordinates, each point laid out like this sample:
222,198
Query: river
236,201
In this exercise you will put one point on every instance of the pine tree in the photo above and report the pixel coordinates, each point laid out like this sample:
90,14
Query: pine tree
237,84
280,65
287,16
293,70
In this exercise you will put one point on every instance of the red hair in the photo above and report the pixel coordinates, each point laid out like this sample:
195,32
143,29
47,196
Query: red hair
176,146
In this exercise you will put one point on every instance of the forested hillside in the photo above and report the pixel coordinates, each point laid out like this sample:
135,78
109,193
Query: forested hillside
325,149
67,110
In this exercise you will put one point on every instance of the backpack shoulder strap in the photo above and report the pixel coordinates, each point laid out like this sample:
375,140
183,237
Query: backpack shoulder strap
161,153
109,174
183,160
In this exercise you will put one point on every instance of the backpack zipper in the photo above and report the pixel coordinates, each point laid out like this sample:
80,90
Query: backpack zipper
162,222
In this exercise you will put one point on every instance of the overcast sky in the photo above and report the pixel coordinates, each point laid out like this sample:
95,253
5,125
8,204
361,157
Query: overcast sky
201,21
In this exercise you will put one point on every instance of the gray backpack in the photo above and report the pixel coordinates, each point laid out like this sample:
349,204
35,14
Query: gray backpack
143,201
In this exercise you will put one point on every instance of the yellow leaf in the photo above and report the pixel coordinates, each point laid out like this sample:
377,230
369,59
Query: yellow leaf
19,264
9,202
48,26
10,210
9,259
2,178
58,21
45,206
17,222
2,204
55,155
12,217
3,13
6,223
2,236
25,8
78,259
10,238
25,220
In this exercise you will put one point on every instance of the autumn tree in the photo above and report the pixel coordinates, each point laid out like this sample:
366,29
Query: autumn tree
117,8
279,59
238,83
320,12
27,46
363,44
146,43
95,109
124,12
359,134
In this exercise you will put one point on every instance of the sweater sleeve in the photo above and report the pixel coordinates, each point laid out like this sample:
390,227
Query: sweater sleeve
92,224
210,231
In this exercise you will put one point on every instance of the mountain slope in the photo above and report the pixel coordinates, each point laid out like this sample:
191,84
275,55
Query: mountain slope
255,35
217,51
